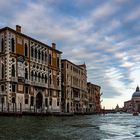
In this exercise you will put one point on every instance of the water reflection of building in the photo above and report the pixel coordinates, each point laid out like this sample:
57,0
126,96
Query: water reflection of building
30,73
133,105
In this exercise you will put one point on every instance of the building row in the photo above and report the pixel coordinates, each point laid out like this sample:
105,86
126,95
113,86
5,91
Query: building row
33,77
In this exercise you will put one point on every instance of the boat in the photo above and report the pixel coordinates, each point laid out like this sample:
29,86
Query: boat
135,114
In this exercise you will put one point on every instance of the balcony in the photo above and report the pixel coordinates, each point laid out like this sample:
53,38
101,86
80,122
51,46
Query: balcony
27,81
38,84
14,79
2,93
76,99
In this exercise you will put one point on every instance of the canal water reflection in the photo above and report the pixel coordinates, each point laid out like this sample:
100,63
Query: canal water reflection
88,127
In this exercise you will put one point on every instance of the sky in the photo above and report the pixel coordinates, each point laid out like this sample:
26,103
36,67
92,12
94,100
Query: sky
103,34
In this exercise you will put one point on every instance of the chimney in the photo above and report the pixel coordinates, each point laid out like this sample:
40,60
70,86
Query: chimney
18,28
53,45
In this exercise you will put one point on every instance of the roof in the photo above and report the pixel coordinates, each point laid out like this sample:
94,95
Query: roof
136,93
10,29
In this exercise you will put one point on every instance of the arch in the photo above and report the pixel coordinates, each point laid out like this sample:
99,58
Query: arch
39,100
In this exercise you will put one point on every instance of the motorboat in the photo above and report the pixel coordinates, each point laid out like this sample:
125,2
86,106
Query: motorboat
135,114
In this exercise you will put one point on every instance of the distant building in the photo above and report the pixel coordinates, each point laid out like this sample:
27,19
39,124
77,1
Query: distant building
74,87
93,97
133,105
30,73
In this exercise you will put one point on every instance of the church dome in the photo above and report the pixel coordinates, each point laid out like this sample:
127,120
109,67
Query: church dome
136,93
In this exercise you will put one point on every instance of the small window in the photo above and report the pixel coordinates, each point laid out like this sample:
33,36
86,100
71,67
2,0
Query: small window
2,45
26,73
50,79
13,88
26,90
32,51
2,71
12,45
13,71
26,101
50,59
2,88
32,100
26,50
58,62
50,102
46,102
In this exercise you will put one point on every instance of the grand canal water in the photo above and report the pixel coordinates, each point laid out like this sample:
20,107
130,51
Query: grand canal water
89,127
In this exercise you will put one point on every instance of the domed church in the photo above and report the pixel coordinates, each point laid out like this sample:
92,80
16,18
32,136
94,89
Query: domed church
133,105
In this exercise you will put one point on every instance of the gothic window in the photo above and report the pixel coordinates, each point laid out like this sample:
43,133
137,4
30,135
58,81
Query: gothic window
45,78
13,70
2,69
26,73
26,50
38,54
2,88
32,51
13,88
35,76
35,52
32,74
42,78
50,79
12,45
42,56
39,77
50,59
2,45
13,100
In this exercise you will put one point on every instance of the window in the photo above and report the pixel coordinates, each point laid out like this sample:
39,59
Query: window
12,45
2,45
26,73
45,57
46,102
39,77
26,50
2,88
32,74
45,78
13,100
35,52
58,81
39,54
50,59
13,71
32,51
62,65
57,103
26,101
26,90
2,71
58,62
35,76
50,79
42,56
13,88
2,100
50,102
32,100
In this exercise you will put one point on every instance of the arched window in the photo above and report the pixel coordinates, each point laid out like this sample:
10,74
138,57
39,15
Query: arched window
32,51
35,52
2,88
26,73
2,45
32,75
42,78
35,76
12,45
32,100
39,77
26,50
2,71
58,81
50,79
50,59
46,79
13,70
38,54
42,56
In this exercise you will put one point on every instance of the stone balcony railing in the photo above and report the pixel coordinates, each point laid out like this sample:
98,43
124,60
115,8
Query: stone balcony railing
14,79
